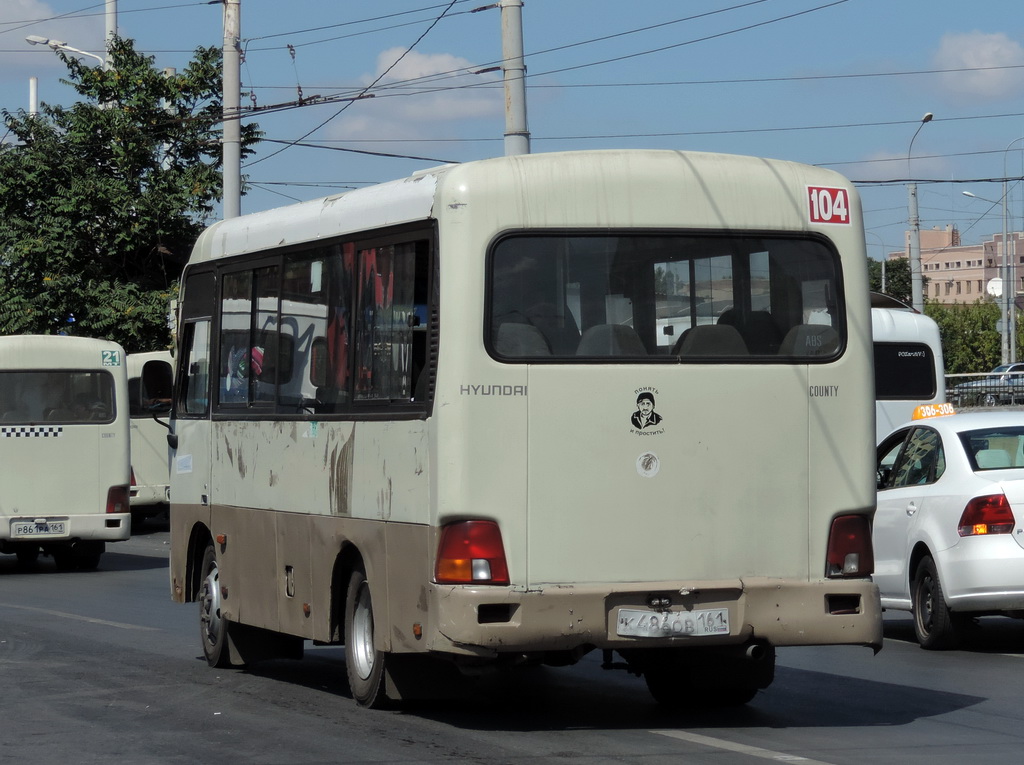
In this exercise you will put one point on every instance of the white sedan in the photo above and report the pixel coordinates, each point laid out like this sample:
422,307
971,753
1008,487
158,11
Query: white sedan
948,533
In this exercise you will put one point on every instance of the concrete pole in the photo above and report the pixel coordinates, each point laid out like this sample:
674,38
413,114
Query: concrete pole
231,143
916,282
1009,288
33,96
517,136
110,22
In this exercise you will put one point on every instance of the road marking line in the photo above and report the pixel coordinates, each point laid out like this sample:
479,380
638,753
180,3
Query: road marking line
732,746
88,619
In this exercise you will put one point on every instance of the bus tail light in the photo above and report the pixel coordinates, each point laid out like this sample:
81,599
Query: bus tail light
471,552
849,548
986,515
117,499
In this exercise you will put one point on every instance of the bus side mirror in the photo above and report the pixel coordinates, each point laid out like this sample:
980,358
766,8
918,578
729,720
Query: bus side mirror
172,438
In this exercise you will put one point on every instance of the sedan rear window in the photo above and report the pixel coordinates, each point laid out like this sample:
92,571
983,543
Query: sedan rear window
994,448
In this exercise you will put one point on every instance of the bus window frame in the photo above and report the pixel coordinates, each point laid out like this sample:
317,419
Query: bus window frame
740,283
352,409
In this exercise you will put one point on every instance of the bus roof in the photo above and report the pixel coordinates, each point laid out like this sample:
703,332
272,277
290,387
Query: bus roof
419,198
55,352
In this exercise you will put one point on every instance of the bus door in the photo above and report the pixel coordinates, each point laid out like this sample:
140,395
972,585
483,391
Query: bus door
684,452
190,435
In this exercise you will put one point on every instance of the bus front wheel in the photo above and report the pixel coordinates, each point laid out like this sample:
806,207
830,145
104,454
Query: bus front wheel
364,664
213,628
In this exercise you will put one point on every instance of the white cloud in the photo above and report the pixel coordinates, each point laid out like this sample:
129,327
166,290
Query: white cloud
981,51
426,108
21,18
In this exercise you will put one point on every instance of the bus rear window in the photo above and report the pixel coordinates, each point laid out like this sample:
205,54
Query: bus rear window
59,396
664,298
904,371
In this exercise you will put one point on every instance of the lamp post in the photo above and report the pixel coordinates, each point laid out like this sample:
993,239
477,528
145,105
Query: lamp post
916,282
1007,353
61,45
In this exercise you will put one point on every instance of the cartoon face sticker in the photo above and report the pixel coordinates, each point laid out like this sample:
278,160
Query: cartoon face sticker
645,416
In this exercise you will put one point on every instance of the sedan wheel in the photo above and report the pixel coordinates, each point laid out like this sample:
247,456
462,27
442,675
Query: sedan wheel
934,624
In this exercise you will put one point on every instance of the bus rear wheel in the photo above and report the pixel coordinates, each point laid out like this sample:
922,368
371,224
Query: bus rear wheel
213,628
364,664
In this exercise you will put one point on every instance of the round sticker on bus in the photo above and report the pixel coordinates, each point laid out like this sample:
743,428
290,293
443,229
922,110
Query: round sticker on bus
647,464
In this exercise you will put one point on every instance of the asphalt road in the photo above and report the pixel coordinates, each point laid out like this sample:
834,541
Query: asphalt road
100,666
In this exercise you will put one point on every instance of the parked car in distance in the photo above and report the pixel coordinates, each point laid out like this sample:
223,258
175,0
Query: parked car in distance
948,537
1003,385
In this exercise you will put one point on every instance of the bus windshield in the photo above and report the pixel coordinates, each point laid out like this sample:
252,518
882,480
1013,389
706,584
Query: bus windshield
670,297
64,396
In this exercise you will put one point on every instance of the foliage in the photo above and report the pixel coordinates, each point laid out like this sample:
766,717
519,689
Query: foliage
100,202
897,279
970,341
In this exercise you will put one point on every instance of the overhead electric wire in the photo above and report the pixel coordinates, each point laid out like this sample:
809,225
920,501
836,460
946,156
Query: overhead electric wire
81,14
463,71
368,87
362,151
357,21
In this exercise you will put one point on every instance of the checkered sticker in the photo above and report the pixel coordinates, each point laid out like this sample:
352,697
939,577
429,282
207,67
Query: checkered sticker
32,431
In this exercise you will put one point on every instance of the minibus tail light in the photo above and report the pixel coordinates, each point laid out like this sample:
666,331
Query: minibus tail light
849,548
117,499
986,515
471,552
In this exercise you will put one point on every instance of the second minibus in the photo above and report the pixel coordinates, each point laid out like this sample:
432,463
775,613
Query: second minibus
64,448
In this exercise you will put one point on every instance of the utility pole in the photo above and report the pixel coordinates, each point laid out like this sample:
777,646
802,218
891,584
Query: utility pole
517,135
110,22
916,282
231,103
916,279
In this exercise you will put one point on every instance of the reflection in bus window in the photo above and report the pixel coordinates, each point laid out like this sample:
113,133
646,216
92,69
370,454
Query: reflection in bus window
664,298
60,396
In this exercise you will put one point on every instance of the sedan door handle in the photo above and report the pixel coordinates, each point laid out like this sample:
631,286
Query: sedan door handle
911,508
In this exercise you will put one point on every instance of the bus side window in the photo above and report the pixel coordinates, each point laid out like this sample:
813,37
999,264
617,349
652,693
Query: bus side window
195,384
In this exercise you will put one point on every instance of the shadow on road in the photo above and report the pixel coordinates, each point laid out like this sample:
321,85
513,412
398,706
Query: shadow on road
544,699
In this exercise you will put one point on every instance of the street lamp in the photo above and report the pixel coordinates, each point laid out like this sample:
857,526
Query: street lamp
916,282
60,45
1009,353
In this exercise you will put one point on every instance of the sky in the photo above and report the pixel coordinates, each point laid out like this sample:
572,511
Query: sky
842,84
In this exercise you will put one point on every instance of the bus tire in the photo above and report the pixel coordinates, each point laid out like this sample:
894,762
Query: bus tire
27,555
87,554
213,629
63,557
364,664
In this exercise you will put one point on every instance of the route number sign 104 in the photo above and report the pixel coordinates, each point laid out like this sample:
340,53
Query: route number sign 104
828,205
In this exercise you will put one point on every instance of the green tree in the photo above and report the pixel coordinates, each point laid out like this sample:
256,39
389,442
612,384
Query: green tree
101,202
970,341
897,278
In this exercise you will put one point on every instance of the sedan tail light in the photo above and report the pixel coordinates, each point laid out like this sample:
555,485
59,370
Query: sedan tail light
849,548
471,552
986,515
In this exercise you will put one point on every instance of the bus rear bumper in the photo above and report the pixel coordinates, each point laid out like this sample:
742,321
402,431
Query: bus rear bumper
107,527
490,621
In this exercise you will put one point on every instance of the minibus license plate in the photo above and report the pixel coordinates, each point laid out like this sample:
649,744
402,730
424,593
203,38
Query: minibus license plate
635,623
33,529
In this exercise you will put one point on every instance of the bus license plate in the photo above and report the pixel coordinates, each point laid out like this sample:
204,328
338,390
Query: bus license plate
33,529
635,623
